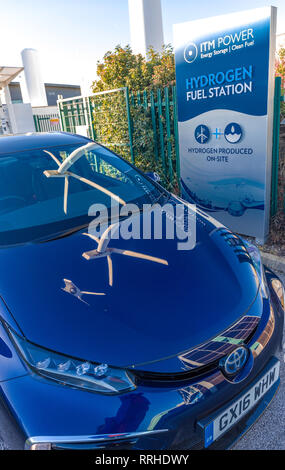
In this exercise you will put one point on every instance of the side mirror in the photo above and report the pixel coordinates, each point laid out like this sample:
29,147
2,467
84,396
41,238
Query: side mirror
154,176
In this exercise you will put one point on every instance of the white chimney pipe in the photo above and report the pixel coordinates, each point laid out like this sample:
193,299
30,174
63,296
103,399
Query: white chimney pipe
146,25
34,81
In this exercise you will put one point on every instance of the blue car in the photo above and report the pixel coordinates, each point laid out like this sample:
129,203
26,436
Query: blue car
124,343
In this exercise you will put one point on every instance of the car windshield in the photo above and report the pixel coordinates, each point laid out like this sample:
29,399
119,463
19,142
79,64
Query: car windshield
49,191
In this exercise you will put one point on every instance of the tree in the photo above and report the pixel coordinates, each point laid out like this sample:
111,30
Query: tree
280,71
280,65
277,232
123,68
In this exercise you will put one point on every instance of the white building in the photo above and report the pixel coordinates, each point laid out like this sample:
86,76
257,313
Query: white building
15,118
21,101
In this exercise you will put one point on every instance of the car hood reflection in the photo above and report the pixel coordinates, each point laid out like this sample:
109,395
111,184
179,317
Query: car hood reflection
152,310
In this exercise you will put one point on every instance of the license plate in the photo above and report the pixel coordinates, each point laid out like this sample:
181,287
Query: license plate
240,407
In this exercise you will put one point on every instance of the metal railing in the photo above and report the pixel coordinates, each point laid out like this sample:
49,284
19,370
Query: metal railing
278,98
143,128
47,122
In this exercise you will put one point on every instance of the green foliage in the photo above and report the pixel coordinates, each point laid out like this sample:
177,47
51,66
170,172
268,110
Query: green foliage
149,136
280,72
120,69
280,65
110,121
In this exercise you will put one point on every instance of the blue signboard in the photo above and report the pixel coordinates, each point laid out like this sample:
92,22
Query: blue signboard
225,80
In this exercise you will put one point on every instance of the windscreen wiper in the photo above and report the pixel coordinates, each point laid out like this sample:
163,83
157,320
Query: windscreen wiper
62,172
62,234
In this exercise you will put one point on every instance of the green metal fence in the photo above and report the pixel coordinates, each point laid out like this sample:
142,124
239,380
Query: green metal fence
143,128
278,98
155,133
90,113
47,122
76,112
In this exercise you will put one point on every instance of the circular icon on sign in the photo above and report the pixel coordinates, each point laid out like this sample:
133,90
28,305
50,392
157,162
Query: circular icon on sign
233,133
190,52
202,134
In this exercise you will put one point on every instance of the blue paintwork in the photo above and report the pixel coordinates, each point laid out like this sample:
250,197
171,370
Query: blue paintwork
11,364
152,314
118,321
19,143
47,408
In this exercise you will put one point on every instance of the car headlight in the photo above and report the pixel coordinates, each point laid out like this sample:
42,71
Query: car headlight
99,378
254,253
279,290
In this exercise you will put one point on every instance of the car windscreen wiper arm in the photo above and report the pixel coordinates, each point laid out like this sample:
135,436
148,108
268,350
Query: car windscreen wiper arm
62,172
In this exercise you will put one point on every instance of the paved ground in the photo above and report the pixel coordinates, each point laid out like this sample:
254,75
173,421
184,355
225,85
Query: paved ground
268,433
9,437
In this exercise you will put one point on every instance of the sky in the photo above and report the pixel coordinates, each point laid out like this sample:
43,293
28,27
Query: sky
72,35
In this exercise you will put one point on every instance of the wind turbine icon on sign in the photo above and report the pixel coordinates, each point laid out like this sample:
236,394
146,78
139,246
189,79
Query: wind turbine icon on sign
104,251
202,134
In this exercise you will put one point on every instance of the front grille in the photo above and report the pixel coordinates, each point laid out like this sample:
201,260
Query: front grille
206,357
175,377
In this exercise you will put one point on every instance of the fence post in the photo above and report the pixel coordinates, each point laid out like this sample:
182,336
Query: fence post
66,125
59,107
90,122
36,123
145,103
139,98
153,118
73,119
168,132
78,114
130,127
176,136
275,145
161,135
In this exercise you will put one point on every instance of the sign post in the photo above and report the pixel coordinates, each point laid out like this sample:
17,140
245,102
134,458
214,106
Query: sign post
225,94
